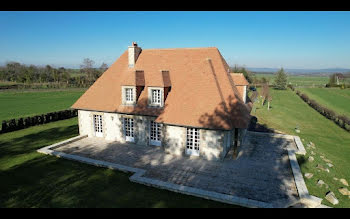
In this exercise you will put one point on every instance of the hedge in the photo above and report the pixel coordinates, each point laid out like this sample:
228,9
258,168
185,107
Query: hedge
21,123
341,120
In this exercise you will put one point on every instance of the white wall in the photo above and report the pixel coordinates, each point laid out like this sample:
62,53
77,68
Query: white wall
213,143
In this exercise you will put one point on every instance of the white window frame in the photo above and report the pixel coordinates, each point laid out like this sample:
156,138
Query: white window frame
159,97
193,141
129,95
129,123
156,98
157,130
98,125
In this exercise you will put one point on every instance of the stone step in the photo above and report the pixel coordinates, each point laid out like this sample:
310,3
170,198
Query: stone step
311,201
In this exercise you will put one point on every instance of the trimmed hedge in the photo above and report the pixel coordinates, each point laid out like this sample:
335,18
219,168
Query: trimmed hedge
21,123
341,120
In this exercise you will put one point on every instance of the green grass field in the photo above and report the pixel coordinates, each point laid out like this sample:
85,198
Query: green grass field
15,104
332,98
299,80
30,179
331,141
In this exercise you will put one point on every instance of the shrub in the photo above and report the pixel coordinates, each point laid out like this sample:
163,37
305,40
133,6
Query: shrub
20,123
12,125
4,127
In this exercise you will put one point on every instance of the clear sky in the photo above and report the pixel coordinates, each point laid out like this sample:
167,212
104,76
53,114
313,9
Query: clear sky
253,39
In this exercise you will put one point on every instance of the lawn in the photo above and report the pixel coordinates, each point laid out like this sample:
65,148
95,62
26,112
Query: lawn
333,98
15,104
30,179
299,80
331,141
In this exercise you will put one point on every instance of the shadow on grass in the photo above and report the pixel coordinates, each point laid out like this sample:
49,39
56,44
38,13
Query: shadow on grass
52,182
46,181
257,127
31,142
301,160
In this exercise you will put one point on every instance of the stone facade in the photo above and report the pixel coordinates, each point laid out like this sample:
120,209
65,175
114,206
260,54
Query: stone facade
214,144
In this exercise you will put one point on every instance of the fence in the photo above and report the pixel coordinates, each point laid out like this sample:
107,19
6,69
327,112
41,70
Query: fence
22,123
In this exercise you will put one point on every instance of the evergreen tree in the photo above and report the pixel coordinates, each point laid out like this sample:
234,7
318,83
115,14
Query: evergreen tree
281,80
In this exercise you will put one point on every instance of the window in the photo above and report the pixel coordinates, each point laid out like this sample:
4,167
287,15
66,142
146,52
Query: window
192,144
155,133
129,129
156,98
98,125
129,94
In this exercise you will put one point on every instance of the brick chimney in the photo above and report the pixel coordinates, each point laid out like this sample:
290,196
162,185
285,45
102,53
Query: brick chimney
134,52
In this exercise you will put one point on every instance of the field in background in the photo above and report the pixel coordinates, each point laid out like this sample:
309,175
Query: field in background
17,103
288,111
298,80
335,99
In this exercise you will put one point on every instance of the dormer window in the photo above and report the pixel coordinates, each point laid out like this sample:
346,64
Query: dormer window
155,96
129,95
156,99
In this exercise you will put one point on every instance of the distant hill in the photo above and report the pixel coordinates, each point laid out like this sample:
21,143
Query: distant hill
301,71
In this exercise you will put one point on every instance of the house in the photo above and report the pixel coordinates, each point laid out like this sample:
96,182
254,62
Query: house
241,83
339,77
184,100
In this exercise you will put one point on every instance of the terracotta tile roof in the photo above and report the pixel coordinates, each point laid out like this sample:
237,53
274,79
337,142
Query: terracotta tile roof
202,93
239,79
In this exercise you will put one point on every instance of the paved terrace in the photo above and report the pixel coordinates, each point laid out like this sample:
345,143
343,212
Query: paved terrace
261,172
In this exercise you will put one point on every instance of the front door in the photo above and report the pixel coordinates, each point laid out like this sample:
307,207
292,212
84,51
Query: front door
98,125
129,129
192,144
155,133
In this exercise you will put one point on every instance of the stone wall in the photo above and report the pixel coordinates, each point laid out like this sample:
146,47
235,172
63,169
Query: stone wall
85,123
174,139
214,144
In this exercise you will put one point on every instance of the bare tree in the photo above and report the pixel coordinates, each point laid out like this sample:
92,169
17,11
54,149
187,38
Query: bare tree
87,68
265,93
103,67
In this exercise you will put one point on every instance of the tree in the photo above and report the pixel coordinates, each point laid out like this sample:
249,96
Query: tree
87,68
332,80
247,74
103,67
265,94
281,80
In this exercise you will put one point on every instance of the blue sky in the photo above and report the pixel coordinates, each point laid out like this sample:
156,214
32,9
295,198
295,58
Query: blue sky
253,39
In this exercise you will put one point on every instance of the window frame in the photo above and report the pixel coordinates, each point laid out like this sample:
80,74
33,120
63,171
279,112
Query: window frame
193,141
129,92
98,125
155,133
160,100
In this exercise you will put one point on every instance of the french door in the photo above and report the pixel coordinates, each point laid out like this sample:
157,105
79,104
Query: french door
129,129
98,125
155,133
192,144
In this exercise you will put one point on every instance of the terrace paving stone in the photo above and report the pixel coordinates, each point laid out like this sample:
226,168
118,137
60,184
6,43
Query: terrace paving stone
261,172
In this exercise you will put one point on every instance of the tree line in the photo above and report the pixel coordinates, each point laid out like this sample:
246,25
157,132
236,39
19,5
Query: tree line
29,74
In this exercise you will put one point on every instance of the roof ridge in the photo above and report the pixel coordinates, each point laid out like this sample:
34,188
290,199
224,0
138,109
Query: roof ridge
181,48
